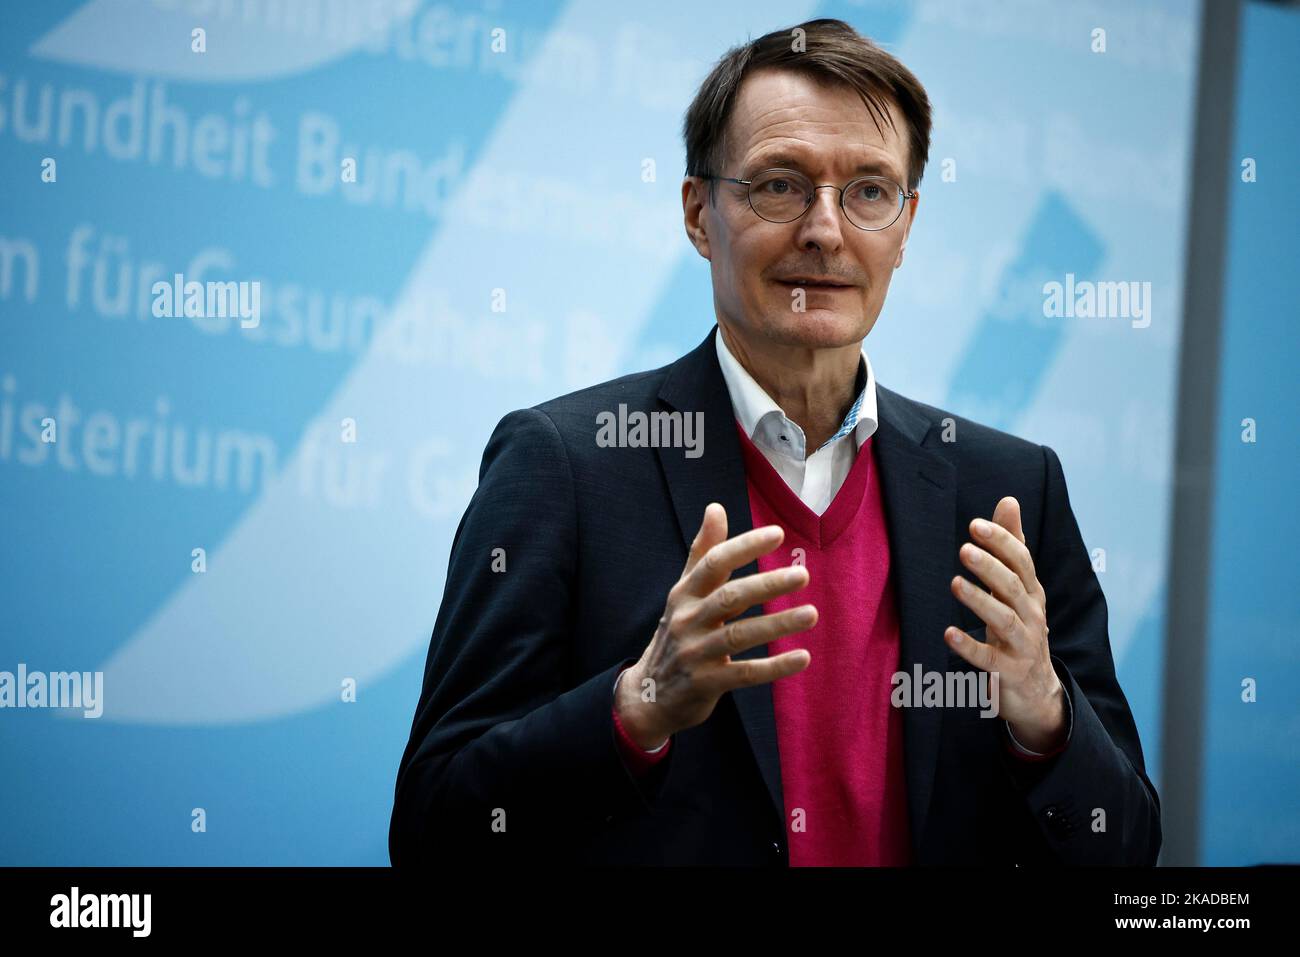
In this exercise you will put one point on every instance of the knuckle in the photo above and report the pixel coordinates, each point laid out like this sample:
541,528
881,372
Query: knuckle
732,636
1008,623
678,621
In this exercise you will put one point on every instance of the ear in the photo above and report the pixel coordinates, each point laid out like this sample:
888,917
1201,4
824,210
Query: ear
909,214
696,211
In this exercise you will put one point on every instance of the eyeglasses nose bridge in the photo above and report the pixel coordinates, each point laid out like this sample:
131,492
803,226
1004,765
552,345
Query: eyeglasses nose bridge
839,199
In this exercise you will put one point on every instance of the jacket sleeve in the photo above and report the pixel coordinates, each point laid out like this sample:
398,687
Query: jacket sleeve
1093,801
637,759
512,757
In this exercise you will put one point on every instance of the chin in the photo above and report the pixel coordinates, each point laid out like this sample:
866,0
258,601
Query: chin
820,328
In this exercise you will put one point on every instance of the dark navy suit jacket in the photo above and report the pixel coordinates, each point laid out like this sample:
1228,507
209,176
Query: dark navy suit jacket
512,755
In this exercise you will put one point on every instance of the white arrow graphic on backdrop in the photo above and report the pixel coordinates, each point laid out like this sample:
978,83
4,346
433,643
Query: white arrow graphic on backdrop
254,41
278,621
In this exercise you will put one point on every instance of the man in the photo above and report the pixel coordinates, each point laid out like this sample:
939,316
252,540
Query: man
741,638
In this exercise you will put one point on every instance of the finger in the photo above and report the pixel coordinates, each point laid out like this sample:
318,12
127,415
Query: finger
1010,550
745,633
1002,621
1007,514
756,671
721,559
734,597
713,529
1005,585
981,654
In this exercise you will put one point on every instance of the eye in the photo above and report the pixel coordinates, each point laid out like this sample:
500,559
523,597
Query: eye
871,192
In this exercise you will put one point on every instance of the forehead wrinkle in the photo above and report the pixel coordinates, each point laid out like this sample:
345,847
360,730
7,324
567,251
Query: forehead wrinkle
851,110
768,131
796,129
789,153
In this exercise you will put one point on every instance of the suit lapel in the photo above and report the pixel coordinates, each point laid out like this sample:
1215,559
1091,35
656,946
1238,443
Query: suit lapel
918,489
695,383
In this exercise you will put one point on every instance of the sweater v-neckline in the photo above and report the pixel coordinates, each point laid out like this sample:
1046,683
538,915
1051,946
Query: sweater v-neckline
822,529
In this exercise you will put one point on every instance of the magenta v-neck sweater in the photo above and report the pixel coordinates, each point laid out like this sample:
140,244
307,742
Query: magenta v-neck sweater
840,739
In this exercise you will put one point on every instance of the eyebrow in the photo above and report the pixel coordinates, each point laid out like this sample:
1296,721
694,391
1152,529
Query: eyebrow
788,161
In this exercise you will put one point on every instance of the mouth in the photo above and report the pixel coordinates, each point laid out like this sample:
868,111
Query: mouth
813,284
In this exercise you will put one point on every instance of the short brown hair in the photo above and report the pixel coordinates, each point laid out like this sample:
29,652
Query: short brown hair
834,53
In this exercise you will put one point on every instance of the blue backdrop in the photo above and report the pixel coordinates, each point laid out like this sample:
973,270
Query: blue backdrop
514,232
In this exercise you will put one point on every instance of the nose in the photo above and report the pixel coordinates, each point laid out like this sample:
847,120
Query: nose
822,224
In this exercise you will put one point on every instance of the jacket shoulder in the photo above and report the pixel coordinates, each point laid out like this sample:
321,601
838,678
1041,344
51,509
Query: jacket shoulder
965,440
636,390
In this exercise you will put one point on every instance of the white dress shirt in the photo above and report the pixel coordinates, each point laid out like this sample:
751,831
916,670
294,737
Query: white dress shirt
814,478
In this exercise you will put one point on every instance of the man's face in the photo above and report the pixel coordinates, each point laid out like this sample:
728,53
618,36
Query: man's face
786,120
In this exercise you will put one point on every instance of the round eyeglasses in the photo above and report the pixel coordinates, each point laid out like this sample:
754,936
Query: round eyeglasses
783,195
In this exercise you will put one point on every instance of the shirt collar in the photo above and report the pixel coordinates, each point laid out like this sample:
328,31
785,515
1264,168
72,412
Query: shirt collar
762,418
